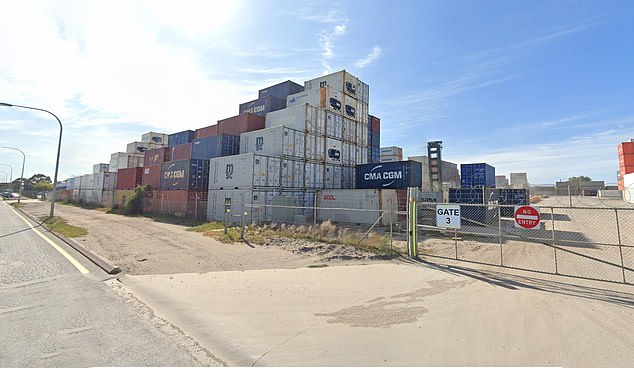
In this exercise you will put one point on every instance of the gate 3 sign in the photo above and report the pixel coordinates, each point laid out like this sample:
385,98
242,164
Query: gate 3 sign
448,216
527,217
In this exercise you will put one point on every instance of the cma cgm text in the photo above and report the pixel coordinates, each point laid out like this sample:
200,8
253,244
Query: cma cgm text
388,175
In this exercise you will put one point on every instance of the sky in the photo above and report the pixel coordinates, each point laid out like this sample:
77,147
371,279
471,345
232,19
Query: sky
542,87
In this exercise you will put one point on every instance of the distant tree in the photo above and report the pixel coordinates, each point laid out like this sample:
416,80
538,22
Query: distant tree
42,187
580,178
39,178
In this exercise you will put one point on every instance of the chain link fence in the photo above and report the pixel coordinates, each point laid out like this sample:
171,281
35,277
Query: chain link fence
586,242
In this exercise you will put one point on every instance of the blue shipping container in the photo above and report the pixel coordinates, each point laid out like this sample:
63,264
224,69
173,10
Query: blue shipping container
477,175
215,146
466,195
264,105
185,175
389,175
281,90
183,137
375,140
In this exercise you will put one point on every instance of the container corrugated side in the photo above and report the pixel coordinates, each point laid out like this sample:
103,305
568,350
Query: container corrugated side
334,151
183,137
263,105
281,90
215,146
351,109
181,152
129,178
205,132
315,146
334,125
477,175
152,177
349,130
244,171
325,98
339,81
276,141
366,205
156,157
153,137
391,175
239,124
303,118
185,175
98,168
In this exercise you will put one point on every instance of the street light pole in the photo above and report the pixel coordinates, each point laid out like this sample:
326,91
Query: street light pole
11,179
21,175
59,147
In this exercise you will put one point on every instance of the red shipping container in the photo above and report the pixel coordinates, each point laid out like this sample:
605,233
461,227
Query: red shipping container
151,177
156,156
626,147
241,124
181,152
180,203
129,178
626,159
206,132
626,169
376,124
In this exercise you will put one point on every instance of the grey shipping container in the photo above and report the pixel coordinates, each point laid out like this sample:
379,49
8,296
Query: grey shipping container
263,105
365,205
276,141
389,175
281,90
303,117
244,171
185,175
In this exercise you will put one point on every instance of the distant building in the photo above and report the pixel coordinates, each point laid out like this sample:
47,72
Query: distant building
391,154
501,181
585,188
450,174
519,181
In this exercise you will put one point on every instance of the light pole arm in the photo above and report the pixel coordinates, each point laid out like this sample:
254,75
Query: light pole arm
59,147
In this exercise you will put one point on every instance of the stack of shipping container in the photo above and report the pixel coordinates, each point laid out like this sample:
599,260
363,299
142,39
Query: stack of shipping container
626,165
312,144
391,154
374,139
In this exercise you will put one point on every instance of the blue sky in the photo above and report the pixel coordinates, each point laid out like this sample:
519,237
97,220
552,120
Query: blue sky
543,87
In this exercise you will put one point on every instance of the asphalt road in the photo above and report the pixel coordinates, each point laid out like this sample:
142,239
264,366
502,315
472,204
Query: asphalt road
56,310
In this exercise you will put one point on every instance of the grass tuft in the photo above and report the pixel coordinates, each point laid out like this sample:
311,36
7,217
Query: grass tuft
59,225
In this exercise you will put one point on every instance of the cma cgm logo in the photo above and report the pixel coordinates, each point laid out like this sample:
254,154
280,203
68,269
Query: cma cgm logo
173,174
255,109
385,175
229,171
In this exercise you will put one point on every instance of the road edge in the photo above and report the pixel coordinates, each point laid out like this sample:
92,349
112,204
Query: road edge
103,263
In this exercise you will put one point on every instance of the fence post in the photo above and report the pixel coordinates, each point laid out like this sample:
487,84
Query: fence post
500,233
244,214
552,219
618,233
196,207
315,207
227,212
391,220
412,228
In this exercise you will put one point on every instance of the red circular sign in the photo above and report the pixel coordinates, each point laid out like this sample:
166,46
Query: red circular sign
527,217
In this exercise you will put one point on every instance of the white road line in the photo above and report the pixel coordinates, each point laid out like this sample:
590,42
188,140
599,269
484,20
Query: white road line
70,258
527,217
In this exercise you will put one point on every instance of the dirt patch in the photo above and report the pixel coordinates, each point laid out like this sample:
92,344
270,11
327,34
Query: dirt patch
141,246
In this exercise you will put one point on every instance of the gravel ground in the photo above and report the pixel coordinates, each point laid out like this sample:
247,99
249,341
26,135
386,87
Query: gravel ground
141,246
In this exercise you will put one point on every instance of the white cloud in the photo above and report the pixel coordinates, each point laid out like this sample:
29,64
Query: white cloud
372,57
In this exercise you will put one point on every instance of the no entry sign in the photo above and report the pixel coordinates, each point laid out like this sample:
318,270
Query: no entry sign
527,217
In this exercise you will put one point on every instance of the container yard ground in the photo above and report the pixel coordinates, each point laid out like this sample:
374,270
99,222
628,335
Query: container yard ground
141,246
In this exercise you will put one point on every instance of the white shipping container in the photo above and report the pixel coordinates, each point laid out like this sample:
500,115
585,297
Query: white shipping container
276,141
244,171
334,125
142,147
339,81
348,177
612,193
292,173
333,177
349,130
314,175
392,150
348,153
87,182
362,135
315,147
153,137
364,111
363,92
334,151
325,98
305,118
124,160
351,108
628,187
260,205
97,168
365,206
361,154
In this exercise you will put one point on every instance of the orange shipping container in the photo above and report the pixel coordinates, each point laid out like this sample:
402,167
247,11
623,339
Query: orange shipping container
240,124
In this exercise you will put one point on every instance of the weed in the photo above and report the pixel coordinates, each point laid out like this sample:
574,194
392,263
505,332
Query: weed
60,225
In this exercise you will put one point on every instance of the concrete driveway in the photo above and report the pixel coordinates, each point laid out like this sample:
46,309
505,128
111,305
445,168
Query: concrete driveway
396,315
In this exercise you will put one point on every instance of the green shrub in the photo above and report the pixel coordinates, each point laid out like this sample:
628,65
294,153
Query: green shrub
134,204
